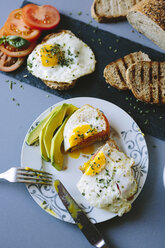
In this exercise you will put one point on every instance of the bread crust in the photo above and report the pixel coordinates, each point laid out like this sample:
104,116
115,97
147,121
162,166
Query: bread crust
59,86
154,9
104,17
115,72
52,35
146,80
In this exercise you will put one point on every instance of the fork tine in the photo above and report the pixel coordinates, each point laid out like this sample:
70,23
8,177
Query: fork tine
27,169
32,175
34,178
33,182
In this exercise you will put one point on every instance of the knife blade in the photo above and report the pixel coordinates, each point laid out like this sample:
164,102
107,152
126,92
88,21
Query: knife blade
84,224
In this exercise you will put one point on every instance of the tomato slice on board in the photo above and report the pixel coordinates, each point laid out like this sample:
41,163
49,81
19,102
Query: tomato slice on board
16,26
8,63
15,52
41,17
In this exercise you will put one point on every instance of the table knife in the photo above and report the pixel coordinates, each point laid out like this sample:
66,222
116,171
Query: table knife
80,218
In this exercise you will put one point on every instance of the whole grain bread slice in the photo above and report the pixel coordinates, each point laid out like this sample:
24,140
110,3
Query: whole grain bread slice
148,17
146,80
115,72
111,10
54,84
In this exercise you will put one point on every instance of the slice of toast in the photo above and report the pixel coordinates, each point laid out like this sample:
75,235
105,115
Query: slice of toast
53,84
69,66
59,86
111,10
146,80
115,72
86,126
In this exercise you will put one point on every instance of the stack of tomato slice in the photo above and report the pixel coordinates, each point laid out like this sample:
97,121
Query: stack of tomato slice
27,23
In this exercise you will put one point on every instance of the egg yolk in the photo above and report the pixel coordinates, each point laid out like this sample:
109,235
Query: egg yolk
94,165
85,150
50,55
80,133
75,154
88,149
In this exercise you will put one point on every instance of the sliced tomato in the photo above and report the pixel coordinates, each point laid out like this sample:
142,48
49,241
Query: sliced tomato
16,26
8,63
15,52
41,17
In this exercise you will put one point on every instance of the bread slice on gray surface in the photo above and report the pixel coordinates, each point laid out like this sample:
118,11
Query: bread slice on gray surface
115,72
61,59
53,84
146,80
111,10
148,17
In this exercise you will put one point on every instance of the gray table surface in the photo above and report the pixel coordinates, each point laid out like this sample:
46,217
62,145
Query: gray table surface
22,222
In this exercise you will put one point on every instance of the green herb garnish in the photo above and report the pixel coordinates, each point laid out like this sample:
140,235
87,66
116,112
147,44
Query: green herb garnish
15,41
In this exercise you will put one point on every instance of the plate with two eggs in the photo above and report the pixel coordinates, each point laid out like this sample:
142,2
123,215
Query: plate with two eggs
103,178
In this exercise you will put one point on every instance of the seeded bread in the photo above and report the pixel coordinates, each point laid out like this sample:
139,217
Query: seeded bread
148,17
146,80
111,10
115,72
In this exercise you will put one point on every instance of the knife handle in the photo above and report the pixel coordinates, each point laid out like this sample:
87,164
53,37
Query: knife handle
101,244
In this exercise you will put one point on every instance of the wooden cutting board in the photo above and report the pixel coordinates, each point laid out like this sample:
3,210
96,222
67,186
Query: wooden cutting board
107,47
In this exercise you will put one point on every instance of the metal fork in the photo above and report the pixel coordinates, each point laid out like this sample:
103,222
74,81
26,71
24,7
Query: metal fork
27,175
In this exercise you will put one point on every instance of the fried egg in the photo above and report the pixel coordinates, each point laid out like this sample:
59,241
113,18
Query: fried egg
84,127
61,58
108,180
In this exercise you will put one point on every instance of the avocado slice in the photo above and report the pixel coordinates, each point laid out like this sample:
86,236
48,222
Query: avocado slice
54,122
42,145
71,109
33,136
57,157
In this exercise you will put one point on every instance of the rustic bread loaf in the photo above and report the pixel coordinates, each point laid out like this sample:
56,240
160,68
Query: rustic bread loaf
146,80
148,17
111,10
115,72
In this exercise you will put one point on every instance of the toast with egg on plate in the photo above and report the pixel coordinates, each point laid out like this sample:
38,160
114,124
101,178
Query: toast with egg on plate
115,72
86,126
108,181
61,59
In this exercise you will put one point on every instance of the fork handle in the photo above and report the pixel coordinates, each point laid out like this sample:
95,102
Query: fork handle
4,175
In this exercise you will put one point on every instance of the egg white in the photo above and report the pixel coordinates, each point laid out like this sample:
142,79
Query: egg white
112,187
83,60
84,115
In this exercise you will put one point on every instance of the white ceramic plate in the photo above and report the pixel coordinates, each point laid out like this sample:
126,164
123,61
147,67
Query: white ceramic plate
129,139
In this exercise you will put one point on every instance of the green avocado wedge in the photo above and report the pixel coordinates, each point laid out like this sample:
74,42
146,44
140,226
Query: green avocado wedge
57,157
42,146
33,136
54,122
